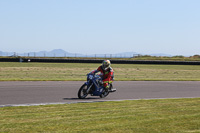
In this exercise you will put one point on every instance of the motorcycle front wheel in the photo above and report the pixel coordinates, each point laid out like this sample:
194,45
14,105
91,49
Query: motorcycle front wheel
82,93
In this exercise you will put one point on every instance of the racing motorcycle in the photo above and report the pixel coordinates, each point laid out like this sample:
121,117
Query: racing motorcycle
94,87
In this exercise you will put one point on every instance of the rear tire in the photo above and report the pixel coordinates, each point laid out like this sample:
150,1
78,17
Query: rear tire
82,93
106,92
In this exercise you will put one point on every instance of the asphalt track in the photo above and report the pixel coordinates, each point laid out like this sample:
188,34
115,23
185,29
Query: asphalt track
22,93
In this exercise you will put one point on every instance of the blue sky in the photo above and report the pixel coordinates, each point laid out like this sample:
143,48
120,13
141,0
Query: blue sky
101,26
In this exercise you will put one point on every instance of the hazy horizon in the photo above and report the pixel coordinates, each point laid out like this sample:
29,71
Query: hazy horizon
63,53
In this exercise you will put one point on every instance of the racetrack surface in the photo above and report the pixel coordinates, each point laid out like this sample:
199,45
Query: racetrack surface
14,93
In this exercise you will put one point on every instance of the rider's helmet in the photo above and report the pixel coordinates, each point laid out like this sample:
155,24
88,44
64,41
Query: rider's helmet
106,64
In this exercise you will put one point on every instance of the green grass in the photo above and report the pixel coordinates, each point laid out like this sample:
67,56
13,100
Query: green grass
163,116
11,71
167,115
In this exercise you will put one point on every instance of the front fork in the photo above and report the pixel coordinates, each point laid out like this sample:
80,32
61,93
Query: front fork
89,88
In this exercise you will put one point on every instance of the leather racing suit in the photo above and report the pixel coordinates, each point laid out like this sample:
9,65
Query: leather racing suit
107,75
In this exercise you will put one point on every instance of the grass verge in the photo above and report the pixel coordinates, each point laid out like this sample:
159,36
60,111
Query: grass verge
166,115
14,71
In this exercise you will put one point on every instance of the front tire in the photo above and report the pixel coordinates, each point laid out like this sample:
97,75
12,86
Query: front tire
82,93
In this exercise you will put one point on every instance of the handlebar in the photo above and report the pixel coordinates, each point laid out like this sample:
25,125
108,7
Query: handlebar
91,76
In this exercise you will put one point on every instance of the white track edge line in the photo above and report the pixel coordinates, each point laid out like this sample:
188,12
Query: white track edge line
56,103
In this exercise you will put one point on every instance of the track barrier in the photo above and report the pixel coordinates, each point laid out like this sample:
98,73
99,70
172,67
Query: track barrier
51,60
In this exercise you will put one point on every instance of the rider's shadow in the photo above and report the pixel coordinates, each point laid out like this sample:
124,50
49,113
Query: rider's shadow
80,99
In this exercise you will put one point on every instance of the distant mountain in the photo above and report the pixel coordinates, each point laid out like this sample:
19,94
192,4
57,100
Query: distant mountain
136,54
53,53
63,53
58,51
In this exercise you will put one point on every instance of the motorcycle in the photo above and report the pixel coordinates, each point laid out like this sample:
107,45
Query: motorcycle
94,87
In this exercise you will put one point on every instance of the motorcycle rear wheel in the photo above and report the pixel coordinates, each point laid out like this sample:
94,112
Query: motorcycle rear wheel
106,92
82,93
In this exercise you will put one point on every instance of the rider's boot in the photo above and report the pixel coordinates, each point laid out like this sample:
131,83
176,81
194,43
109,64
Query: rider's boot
112,90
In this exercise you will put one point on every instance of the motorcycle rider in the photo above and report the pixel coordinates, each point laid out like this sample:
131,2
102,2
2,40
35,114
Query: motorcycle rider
107,74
